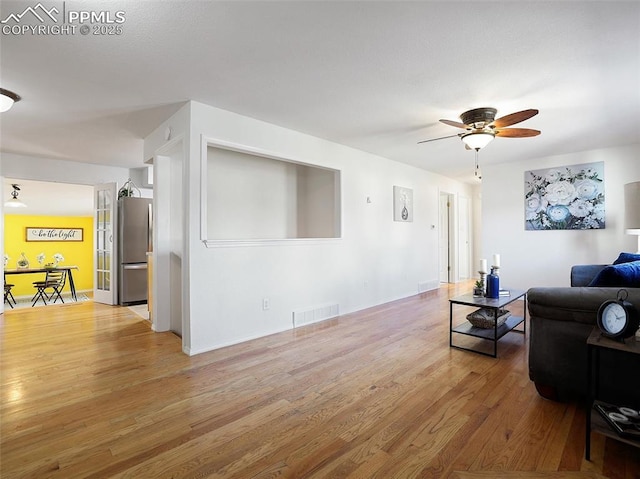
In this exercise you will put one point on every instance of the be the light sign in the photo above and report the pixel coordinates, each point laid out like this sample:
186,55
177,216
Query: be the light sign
54,234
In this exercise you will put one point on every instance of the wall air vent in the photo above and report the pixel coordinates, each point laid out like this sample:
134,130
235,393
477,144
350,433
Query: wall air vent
310,316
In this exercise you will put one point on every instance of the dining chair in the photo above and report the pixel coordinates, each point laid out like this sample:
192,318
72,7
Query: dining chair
8,296
55,281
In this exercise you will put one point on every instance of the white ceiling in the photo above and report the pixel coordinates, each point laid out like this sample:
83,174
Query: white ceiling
376,76
50,199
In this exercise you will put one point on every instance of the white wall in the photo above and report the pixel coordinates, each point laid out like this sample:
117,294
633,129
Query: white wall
544,258
69,172
376,261
60,171
477,230
250,197
318,215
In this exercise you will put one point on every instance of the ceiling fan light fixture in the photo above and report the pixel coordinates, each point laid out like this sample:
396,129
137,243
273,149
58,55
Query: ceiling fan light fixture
477,140
14,202
7,99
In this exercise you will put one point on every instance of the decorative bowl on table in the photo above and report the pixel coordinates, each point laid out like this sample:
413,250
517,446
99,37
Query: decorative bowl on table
485,317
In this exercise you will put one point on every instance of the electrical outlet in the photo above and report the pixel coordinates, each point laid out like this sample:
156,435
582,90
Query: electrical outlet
266,303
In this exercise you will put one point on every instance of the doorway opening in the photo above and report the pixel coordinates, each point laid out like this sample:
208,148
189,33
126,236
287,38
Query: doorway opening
168,311
54,228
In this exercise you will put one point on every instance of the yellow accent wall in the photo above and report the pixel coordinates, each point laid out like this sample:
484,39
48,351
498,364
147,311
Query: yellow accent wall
79,253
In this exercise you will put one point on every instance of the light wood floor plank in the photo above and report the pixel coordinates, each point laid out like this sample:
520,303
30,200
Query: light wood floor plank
89,391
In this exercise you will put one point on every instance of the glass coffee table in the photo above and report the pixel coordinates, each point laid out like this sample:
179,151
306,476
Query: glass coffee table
490,334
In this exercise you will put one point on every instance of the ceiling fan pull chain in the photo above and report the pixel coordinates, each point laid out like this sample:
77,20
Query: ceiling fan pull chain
477,170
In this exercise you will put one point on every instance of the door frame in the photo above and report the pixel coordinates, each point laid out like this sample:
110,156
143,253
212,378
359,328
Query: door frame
448,213
163,302
99,295
465,225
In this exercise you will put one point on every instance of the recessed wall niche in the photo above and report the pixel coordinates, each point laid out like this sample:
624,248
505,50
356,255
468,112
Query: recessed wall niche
256,197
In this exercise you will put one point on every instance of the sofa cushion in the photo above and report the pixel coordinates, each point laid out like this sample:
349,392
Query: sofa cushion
627,258
583,274
619,275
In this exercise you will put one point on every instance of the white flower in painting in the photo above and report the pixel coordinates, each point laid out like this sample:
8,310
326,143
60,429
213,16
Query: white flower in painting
40,258
58,258
580,208
591,223
558,213
586,189
534,204
560,193
553,175
598,211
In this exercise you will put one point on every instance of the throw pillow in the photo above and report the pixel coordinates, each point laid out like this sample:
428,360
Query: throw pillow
627,258
619,275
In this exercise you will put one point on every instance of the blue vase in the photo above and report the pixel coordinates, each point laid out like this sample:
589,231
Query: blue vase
493,285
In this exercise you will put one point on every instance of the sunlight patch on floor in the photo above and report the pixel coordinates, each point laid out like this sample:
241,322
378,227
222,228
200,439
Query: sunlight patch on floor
141,310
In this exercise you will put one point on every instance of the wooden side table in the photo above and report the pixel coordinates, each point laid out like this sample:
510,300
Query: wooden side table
595,422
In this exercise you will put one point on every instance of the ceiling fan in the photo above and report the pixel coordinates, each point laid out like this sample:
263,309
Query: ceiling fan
482,127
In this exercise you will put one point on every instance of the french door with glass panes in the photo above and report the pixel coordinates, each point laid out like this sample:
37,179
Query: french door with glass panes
105,284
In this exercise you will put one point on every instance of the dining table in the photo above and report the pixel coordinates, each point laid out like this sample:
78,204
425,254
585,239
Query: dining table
68,269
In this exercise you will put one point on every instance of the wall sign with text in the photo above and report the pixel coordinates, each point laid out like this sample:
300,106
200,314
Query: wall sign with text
54,234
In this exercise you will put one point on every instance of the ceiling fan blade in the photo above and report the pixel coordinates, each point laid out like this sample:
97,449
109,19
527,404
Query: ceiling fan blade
513,118
435,139
457,124
517,132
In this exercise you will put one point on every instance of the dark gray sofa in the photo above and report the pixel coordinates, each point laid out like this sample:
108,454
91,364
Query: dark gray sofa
561,320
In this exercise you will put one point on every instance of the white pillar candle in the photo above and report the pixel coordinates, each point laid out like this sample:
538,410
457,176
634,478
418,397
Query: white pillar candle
483,265
496,260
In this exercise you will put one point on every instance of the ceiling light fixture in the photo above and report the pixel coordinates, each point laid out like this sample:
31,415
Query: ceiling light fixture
14,202
478,139
7,99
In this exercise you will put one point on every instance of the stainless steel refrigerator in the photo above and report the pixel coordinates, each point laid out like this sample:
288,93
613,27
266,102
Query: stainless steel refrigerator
134,240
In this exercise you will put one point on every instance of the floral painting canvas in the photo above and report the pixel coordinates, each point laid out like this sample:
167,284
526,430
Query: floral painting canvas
565,198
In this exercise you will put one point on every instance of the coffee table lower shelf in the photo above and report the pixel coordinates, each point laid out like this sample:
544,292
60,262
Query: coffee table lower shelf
489,334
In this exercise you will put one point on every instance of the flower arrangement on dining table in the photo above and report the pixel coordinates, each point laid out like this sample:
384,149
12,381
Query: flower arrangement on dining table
57,259
564,198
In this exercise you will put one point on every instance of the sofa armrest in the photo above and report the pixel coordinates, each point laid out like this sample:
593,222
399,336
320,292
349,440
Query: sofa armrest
573,304
582,274
561,319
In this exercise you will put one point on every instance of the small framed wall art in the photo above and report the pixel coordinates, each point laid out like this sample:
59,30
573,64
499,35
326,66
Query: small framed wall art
54,234
402,204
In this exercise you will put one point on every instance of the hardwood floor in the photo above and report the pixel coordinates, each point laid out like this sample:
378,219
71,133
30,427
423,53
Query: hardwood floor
89,391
